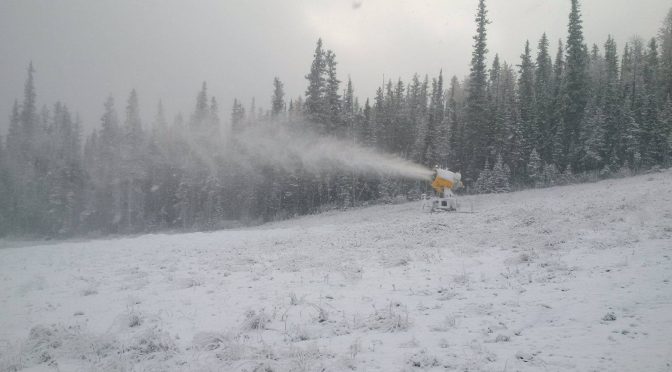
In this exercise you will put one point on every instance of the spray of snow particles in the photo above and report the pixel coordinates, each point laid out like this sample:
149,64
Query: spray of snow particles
294,147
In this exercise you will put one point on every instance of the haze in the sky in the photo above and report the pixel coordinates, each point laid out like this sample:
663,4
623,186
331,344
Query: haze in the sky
85,50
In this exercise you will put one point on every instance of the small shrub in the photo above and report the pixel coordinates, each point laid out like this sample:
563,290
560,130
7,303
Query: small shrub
256,321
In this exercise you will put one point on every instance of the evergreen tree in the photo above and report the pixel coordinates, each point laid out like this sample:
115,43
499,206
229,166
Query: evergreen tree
315,105
612,101
534,168
665,36
501,176
237,117
477,103
485,182
436,139
551,175
456,130
631,137
527,99
278,99
577,82
543,88
661,131
558,129
331,96
201,114
592,153
133,167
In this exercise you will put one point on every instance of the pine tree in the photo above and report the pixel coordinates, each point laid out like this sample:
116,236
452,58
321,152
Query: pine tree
528,102
631,137
577,82
201,113
278,99
237,117
456,130
6,194
665,36
501,176
477,103
485,182
534,168
315,105
543,88
659,147
652,153
592,153
551,175
133,167
436,135
612,101
334,124
558,126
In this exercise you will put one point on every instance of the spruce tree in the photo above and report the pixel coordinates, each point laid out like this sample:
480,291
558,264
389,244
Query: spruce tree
501,175
576,80
543,88
558,128
456,129
612,101
665,36
278,99
334,124
237,117
527,99
592,154
476,102
133,167
315,106
534,168
200,116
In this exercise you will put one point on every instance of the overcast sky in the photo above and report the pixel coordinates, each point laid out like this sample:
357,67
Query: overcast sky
85,50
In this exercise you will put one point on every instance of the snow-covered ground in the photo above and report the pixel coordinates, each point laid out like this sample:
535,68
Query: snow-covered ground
566,278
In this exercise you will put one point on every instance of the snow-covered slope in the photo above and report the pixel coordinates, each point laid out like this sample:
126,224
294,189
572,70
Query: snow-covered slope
566,278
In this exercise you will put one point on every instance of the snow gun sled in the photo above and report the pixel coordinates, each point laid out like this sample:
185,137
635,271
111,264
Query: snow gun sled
443,199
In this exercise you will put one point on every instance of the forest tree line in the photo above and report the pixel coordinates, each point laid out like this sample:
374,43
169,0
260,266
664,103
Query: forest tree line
539,121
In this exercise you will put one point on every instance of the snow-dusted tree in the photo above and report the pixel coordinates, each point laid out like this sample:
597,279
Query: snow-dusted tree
334,122
133,167
551,175
484,183
278,99
612,101
559,130
200,117
577,80
528,101
543,89
315,105
501,176
535,168
665,36
592,152
476,101
436,135
237,117
456,128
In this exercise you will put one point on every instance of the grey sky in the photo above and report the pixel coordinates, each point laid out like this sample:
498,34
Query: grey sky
84,50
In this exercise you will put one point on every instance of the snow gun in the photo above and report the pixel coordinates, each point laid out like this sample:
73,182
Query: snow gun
444,182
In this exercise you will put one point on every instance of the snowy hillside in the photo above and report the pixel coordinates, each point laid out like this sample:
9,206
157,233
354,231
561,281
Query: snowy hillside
566,278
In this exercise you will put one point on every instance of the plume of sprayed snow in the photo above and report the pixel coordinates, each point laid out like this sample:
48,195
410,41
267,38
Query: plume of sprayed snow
293,147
